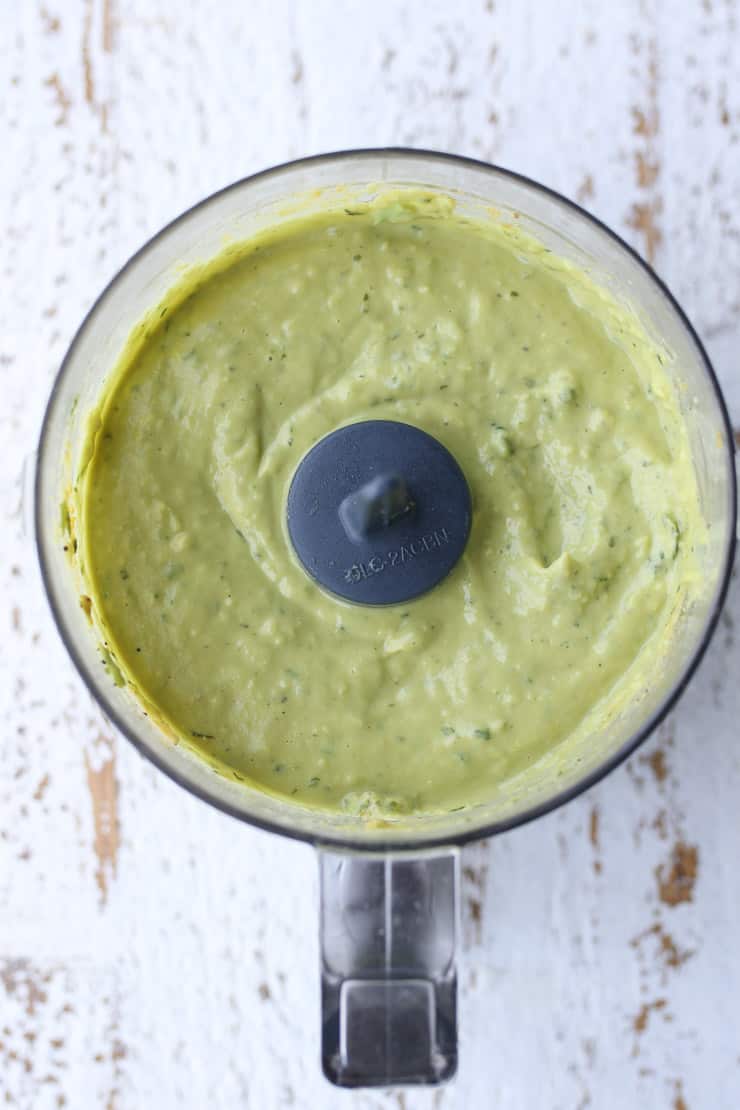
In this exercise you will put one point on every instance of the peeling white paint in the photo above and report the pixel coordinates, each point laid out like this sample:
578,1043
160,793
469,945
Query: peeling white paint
193,982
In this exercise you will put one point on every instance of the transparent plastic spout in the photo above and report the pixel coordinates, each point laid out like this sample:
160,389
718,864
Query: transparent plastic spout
388,937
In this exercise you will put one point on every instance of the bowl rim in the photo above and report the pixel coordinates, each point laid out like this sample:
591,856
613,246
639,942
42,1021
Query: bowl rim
400,843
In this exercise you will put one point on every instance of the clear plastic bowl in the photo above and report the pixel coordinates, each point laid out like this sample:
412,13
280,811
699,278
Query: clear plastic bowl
238,212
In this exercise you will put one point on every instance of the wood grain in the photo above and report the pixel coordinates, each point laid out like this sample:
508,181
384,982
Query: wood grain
156,954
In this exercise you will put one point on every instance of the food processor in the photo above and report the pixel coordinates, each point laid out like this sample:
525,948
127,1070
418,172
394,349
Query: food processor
389,891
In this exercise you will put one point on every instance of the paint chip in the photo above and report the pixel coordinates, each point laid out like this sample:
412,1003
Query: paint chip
677,878
103,787
640,1021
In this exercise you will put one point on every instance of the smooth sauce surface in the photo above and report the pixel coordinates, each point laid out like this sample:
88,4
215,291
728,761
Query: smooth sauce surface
556,406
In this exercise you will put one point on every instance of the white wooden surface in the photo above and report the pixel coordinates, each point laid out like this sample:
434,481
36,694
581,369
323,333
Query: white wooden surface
154,954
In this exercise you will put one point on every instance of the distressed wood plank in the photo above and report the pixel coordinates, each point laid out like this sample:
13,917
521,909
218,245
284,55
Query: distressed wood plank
155,953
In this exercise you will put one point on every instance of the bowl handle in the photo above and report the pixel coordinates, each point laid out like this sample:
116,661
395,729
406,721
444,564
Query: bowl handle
388,937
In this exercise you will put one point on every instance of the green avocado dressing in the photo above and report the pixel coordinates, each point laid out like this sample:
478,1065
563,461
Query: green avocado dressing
556,405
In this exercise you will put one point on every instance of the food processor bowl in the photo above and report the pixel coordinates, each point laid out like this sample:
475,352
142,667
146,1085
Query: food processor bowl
389,891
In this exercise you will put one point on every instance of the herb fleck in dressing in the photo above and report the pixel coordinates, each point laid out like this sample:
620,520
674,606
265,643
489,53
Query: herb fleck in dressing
558,409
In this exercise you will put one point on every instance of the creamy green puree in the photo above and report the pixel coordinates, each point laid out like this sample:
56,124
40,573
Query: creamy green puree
556,405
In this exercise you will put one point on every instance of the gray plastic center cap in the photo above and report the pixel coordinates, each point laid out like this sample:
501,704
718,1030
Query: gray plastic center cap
378,512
